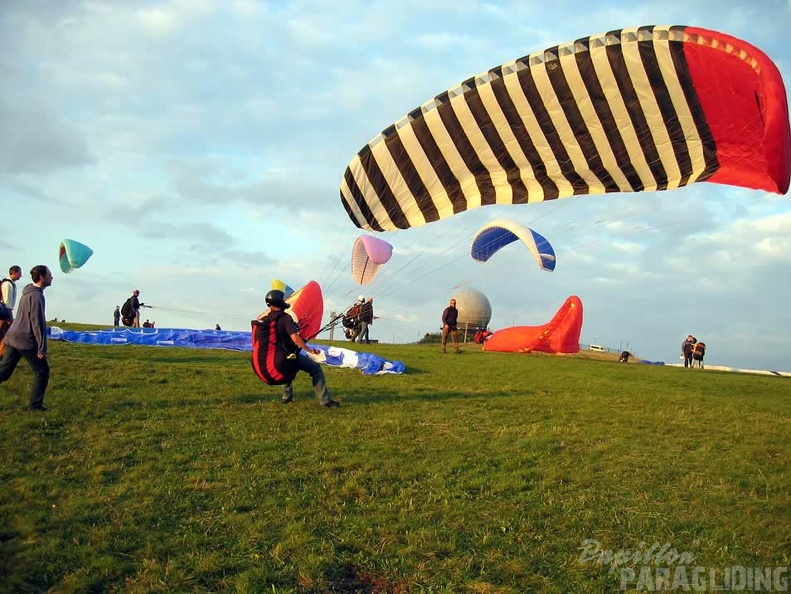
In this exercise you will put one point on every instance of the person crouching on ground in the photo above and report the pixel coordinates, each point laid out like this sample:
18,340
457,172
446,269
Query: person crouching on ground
288,338
28,337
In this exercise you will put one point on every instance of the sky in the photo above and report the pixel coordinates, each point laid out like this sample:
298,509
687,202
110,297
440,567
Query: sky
198,146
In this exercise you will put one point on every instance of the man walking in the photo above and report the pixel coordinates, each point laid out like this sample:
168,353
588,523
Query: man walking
28,337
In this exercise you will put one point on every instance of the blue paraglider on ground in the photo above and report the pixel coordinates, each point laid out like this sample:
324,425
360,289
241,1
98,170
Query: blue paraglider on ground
368,363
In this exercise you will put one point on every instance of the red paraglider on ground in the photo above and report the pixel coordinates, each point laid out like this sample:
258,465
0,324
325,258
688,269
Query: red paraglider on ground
561,335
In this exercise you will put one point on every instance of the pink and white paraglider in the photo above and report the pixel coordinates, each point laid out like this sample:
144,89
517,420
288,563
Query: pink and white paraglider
368,253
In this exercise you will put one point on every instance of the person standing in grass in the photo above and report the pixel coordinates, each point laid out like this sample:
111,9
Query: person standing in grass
450,320
135,301
8,297
686,350
366,318
28,337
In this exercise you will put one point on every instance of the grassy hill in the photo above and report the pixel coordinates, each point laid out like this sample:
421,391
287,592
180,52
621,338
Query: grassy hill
177,470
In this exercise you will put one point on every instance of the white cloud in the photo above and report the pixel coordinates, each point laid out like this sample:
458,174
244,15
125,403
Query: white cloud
158,21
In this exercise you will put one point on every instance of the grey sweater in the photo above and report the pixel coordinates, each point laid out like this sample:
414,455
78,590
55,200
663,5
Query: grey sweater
29,330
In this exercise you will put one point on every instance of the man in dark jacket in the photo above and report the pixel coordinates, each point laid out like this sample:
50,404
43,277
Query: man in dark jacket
28,337
450,320
136,307
686,349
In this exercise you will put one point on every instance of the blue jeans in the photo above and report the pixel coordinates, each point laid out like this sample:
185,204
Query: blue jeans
40,369
317,375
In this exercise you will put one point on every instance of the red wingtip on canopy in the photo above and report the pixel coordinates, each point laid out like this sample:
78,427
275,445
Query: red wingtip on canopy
746,110
307,308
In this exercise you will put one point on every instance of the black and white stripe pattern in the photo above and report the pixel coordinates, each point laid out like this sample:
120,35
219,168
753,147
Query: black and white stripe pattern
609,113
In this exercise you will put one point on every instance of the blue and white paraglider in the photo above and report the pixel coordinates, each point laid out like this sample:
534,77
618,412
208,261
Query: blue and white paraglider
496,235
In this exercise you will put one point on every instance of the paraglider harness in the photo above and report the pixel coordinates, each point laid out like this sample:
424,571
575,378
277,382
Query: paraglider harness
274,361
481,336
128,313
5,311
698,352
351,321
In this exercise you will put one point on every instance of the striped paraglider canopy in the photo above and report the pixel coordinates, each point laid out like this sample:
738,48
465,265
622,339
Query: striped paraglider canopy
642,109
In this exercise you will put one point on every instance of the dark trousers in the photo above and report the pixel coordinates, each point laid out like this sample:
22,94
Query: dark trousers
40,369
316,374
364,333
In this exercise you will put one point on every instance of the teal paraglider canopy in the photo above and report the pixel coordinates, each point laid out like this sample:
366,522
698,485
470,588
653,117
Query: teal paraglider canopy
73,254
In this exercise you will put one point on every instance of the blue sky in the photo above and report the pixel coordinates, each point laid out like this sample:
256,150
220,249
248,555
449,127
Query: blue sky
198,146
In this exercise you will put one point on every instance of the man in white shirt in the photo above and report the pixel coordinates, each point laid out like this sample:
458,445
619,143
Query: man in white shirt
8,297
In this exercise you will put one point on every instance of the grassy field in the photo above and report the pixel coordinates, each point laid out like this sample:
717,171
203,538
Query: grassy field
177,470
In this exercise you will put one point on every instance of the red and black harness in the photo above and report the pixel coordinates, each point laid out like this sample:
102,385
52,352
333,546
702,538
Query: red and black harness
274,362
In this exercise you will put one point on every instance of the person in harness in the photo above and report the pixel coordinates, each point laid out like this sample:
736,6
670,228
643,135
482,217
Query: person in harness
276,351
698,352
130,311
351,320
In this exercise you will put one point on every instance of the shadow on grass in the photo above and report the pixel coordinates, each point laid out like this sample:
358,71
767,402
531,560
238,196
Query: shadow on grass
259,398
357,398
383,397
171,362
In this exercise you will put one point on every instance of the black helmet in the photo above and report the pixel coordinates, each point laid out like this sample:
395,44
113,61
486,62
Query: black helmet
277,298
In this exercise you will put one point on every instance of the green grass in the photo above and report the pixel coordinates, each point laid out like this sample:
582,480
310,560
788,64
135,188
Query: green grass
176,470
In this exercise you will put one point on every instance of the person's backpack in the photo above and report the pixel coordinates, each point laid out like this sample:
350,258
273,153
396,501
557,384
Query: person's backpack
127,311
274,363
5,311
481,336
